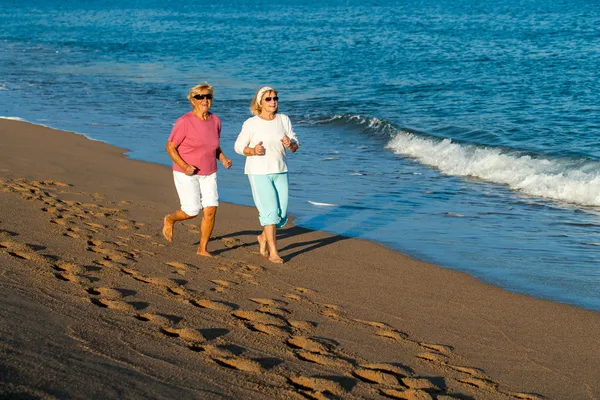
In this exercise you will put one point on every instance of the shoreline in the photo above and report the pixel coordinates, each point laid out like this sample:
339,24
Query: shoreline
376,303
477,274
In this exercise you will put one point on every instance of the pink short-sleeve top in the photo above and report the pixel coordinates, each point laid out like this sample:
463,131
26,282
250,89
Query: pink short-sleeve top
197,142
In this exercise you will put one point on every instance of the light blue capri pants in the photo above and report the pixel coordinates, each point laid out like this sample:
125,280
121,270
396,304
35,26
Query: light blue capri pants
270,194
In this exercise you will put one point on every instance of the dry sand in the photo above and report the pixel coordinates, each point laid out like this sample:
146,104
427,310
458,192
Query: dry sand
95,304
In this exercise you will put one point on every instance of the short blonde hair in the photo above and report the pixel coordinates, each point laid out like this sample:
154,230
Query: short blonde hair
255,107
200,88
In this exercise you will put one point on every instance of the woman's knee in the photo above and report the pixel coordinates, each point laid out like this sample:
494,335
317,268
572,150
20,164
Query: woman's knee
209,212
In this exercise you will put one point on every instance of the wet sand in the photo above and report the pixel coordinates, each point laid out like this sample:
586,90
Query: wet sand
95,303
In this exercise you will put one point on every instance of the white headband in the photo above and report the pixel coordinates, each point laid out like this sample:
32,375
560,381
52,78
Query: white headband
262,91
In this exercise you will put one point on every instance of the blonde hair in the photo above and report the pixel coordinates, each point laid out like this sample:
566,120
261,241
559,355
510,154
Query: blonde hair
200,88
255,107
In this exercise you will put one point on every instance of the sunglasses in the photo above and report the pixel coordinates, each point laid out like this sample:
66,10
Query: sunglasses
268,99
203,96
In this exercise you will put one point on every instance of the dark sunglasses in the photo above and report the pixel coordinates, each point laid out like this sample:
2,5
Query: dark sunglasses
203,96
268,99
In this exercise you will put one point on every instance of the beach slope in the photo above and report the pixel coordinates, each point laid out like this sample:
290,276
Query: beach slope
95,304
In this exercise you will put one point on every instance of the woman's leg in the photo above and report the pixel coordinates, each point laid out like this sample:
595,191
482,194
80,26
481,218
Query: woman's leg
270,232
170,220
188,190
210,201
206,228
265,198
262,244
280,182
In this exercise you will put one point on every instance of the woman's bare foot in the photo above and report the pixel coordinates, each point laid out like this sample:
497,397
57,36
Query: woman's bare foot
204,253
262,245
167,230
276,259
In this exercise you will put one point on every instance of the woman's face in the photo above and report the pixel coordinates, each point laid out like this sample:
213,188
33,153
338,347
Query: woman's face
202,101
269,101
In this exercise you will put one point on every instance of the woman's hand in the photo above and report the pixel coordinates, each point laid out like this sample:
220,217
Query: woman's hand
259,149
288,144
226,162
189,169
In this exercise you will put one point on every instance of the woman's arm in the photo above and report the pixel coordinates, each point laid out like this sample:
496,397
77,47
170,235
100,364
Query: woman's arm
242,142
174,154
224,160
292,143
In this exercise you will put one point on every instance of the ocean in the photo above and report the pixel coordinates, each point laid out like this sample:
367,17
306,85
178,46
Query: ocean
462,133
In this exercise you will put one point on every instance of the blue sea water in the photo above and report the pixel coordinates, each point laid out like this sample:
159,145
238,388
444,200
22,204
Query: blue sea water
460,132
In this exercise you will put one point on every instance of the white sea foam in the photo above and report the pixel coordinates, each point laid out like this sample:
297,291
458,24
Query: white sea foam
564,180
12,118
47,126
315,203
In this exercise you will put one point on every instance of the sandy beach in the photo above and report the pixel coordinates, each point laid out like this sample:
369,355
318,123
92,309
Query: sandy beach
94,303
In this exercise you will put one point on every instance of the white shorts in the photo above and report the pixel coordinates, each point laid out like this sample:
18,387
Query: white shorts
196,192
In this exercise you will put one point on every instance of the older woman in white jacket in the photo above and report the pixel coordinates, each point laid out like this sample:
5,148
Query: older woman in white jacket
264,140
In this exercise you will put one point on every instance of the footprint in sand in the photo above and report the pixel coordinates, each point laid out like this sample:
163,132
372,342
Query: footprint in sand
26,255
95,225
106,263
433,357
321,359
420,384
294,297
279,312
177,265
475,372
71,234
302,325
183,333
214,305
221,285
110,292
260,318
268,302
396,369
307,344
222,350
392,334
410,394
231,243
375,324
246,278
304,291
239,364
119,305
271,330
440,348
331,314
374,376
317,385
480,383
129,271
526,396
67,277
159,319
68,267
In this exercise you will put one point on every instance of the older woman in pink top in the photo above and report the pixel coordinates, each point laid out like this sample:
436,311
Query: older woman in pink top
194,147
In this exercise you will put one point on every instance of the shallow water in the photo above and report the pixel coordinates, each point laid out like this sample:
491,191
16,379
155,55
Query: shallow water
460,133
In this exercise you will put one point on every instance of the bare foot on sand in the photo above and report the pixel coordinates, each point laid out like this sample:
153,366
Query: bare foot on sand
204,253
276,260
262,245
167,230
